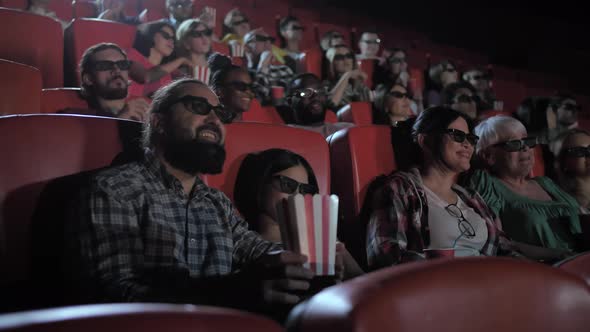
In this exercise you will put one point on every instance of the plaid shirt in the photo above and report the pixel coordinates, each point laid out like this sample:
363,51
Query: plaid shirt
277,75
400,221
136,218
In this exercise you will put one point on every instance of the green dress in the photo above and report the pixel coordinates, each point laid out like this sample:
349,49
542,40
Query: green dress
550,224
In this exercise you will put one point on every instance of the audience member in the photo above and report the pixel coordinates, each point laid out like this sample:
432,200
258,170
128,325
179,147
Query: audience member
424,208
369,46
533,211
260,63
266,178
391,104
41,7
460,96
235,26
306,106
345,80
179,11
151,62
194,43
485,98
440,75
153,231
574,166
232,84
564,117
331,39
394,69
104,72
291,34
114,10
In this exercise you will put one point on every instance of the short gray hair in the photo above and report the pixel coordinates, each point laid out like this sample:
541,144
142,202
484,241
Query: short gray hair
494,129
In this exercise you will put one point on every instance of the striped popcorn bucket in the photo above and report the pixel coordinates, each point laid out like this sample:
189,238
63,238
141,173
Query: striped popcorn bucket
308,226
237,49
202,74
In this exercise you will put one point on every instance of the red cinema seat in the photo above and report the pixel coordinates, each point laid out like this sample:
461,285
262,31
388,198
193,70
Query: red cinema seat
262,114
367,66
62,8
578,265
34,40
86,32
222,48
512,93
54,146
243,138
458,295
358,155
136,317
56,100
357,112
16,4
85,9
330,117
539,163
21,88
312,61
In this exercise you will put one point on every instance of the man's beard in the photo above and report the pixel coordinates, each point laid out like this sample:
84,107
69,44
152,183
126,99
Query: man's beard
108,93
308,115
194,156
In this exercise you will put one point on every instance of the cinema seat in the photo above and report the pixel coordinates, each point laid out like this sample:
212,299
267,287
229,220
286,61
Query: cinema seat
136,317
85,9
262,114
512,93
33,40
539,163
56,100
578,265
21,88
358,112
86,32
470,294
368,67
38,149
243,138
357,155
312,61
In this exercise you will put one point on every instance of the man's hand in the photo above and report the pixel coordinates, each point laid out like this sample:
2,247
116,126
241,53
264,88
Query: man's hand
283,275
135,109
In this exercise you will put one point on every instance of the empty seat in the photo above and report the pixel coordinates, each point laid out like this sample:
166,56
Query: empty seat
358,112
358,155
578,265
136,317
53,146
243,138
21,88
34,40
460,295
86,32
56,100
262,114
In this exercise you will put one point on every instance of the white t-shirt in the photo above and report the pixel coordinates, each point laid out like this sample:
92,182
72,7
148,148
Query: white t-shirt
446,230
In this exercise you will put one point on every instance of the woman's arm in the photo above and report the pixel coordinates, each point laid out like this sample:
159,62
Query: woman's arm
141,75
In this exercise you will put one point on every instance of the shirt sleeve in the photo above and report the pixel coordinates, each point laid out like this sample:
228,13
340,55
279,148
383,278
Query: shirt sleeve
387,238
482,182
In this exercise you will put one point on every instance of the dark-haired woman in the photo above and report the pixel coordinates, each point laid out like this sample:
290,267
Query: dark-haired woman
264,179
424,208
346,81
232,84
150,65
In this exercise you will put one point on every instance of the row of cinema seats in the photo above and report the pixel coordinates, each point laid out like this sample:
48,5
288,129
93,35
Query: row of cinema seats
46,149
40,42
472,294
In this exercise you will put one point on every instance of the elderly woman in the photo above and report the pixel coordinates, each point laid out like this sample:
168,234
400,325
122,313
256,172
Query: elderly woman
574,166
346,81
533,211
424,208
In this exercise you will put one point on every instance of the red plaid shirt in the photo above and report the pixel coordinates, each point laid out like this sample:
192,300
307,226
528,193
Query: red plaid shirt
399,224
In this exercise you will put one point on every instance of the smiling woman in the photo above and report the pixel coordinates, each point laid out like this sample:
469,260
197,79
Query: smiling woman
534,211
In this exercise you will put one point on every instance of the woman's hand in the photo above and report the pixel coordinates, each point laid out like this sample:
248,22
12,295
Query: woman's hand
358,75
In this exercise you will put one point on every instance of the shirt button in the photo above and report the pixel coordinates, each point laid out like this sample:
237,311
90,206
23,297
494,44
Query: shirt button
193,240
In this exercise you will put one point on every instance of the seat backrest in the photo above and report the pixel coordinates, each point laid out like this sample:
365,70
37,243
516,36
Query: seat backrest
510,92
56,100
312,61
85,32
34,40
368,67
52,146
85,9
330,117
21,88
357,112
262,114
578,265
539,162
142,317
459,295
243,138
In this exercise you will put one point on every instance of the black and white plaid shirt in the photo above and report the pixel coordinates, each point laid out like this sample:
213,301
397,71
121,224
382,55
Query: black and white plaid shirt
277,75
137,218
